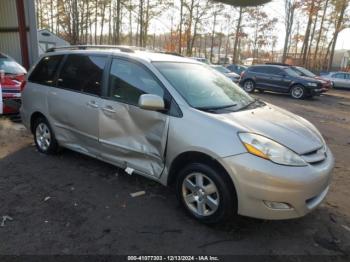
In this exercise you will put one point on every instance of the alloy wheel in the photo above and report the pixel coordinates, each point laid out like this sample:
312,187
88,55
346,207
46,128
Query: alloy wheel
43,136
297,92
200,194
248,86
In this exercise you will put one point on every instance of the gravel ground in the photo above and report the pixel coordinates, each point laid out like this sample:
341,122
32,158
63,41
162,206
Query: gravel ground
73,204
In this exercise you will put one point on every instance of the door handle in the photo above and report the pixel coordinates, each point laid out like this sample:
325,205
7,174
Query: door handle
109,109
92,104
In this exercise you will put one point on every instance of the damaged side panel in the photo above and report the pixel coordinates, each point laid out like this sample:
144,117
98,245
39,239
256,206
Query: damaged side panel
133,137
74,122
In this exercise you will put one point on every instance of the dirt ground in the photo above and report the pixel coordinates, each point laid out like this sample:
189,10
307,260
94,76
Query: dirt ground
73,204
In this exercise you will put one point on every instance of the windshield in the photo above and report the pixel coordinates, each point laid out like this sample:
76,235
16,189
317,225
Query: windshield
202,87
11,67
222,69
303,72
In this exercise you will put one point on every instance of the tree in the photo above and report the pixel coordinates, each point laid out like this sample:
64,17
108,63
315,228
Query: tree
217,9
320,31
310,8
290,7
340,7
237,34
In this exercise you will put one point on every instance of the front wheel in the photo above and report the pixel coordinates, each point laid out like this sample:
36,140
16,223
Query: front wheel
249,86
205,194
297,92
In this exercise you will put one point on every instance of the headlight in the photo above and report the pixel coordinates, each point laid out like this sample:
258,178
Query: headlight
312,84
268,149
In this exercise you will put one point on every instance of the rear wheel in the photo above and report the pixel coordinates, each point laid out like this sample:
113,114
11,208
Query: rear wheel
297,92
249,86
44,138
205,194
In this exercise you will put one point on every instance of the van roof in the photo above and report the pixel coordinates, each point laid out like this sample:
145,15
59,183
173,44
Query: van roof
127,51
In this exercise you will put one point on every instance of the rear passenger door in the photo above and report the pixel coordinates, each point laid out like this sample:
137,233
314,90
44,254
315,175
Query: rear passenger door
130,136
260,77
339,80
75,101
347,80
276,79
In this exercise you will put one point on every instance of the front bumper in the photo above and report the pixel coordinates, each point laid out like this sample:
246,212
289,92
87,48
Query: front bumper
258,181
318,91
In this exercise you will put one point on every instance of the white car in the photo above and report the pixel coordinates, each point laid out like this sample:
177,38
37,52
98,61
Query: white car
339,79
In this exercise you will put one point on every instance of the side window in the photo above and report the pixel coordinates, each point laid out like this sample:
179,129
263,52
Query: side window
232,67
128,81
82,73
274,71
340,76
44,73
257,69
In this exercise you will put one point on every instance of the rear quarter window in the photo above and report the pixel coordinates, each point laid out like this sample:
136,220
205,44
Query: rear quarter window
273,70
45,71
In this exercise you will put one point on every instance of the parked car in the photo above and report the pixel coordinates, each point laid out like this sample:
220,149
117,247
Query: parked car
238,69
201,59
281,79
307,73
13,75
176,121
339,79
223,70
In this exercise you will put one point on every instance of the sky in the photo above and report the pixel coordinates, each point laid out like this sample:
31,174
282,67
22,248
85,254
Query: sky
275,8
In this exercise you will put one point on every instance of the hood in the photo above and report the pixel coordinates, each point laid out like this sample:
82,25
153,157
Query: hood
311,79
323,80
279,125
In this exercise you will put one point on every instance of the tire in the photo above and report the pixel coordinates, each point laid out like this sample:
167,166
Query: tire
44,137
210,201
249,86
297,92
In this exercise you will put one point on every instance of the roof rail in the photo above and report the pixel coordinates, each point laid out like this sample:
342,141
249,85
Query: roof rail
278,64
125,49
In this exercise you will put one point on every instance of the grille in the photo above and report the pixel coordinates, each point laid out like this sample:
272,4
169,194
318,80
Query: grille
315,156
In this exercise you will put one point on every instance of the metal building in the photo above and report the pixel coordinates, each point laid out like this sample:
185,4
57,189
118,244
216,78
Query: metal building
18,32
47,39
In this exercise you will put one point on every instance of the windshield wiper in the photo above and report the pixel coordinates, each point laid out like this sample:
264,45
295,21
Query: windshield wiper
207,108
250,104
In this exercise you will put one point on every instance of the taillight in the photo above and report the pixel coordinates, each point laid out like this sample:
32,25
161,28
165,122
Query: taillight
23,85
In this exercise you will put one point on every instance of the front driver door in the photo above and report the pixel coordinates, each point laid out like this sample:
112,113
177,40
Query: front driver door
130,136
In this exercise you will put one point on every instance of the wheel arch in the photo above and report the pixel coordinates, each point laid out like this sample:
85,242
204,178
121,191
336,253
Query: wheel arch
36,115
197,157
249,78
296,84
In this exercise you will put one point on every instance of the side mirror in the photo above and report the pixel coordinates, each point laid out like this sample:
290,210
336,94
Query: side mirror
151,102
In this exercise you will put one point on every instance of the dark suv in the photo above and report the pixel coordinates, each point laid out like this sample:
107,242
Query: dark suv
281,79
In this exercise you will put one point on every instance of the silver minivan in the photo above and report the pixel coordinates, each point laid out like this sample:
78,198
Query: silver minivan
181,123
